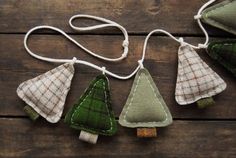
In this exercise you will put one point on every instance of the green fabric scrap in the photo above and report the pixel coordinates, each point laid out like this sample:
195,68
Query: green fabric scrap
205,102
145,106
31,112
93,112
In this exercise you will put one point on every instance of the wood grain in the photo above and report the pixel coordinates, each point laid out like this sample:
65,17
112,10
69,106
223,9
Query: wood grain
17,66
175,16
194,132
202,139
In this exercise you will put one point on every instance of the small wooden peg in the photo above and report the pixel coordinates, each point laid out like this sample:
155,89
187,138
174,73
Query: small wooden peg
31,113
88,137
205,102
147,132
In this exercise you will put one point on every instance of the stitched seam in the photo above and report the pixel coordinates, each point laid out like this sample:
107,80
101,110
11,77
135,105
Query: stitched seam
55,118
219,89
132,101
218,23
78,107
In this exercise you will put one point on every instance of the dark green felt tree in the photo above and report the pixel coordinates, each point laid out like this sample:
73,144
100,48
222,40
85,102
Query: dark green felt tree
225,53
93,114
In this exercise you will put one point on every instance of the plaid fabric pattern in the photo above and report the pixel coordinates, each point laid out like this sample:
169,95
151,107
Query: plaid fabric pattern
93,112
195,79
225,53
46,93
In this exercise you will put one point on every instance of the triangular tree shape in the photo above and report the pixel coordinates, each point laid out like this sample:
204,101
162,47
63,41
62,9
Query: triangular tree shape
145,106
225,53
46,94
221,15
195,79
93,112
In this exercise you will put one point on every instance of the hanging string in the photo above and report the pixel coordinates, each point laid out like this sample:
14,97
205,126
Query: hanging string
181,40
109,23
197,17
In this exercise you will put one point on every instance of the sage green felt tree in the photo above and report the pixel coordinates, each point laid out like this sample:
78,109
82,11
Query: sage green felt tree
93,114
221,15
145,108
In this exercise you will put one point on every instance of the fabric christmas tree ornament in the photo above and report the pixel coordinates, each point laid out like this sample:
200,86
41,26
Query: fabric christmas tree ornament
93,114
196,81
225,53
45,95
221,15
145,108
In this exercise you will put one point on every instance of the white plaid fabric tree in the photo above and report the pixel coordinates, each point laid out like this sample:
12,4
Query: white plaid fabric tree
46,93
195,79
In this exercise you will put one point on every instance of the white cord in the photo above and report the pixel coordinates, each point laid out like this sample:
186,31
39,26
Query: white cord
125,44
102,69
197,17
74,60
109,24
180,40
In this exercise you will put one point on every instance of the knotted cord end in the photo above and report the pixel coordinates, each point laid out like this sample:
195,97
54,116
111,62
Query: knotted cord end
198,16
140,62
181,41
74,60
125,43
202,46
103,70
124,55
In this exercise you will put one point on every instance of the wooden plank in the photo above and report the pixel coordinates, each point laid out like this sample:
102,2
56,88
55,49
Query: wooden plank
136,16
17,66
161,51
203,139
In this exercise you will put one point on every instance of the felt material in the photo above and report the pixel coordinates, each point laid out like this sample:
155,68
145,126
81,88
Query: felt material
46,93
225,53
31,112
93,112
88,137
221,15
195,79
145,106
203,103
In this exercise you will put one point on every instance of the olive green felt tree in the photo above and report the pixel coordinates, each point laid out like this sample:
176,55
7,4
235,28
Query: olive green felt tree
93,114
145,108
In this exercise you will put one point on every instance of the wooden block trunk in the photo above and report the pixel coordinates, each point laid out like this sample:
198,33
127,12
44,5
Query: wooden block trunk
146,132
